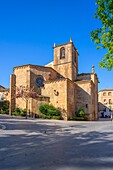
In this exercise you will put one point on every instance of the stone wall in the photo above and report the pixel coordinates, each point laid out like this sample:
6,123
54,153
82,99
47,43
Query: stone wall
86,98
62,95
45,72
12,93
93,103
71,98
27,72
83,96
26,76
57,91
31,104
94,78
35,103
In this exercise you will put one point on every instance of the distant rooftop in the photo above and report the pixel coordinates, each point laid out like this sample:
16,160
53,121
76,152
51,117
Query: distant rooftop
107,89
2,88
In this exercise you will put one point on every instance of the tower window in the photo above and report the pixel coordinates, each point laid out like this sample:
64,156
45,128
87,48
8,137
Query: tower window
74,55
62,53
75,58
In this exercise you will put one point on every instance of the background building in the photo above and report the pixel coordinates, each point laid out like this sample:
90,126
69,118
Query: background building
4,93
105,99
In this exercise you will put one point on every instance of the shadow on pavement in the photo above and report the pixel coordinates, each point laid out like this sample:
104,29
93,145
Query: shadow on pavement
25,146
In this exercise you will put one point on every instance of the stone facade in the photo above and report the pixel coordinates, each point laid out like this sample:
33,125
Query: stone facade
57,83
62,95
105,102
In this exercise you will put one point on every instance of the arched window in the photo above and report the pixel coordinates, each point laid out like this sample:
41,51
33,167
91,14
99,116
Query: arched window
110,101
62,53
105,101
109,94
104,94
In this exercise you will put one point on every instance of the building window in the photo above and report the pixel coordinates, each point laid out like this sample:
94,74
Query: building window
40,81
110,108
109,94
110,101
62,53
87,106
104,94
105,102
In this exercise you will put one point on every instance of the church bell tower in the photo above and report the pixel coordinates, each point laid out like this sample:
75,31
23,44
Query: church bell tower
66,60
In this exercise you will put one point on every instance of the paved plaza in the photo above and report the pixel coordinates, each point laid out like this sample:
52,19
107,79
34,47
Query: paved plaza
35,144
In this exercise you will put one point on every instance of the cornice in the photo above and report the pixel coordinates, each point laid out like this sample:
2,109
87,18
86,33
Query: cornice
83,81
104,90
66,44
56,80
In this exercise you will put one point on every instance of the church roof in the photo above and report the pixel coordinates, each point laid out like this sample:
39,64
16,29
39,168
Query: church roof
31,65
82,74
36,66
26,65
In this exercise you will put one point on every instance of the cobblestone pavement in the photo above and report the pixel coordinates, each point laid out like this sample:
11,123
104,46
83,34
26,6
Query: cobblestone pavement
55,145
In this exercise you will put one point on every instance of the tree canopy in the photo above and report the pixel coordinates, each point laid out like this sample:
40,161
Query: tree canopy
103,37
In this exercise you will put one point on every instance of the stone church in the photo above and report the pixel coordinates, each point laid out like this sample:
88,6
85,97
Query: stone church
57,83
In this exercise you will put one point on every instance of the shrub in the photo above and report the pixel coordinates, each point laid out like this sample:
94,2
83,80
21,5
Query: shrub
23,112
54,112
78,118
56,117
17,112
80,113
49,112
44,116
43,108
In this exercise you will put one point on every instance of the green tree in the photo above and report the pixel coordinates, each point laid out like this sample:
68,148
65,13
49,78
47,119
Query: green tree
4,107
103,37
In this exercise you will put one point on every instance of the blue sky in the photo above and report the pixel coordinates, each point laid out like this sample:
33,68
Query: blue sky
29,28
